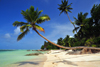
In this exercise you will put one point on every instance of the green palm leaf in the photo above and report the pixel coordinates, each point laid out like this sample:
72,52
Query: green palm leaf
76,28
22,34
39,12
42,19
16,23
32,16
64,7
26,15
39,28
22,28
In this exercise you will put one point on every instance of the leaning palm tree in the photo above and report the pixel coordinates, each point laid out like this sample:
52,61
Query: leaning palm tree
33,18
64,7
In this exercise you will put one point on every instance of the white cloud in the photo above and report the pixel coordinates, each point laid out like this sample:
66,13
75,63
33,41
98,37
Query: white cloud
71,37
61,30
55,41
17,31
7,35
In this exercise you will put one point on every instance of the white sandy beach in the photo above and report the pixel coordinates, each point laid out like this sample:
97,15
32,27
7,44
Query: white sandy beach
58,58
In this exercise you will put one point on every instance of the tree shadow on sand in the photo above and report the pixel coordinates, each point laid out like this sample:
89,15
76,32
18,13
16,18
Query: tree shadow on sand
27,62
71,63
35,62
67,62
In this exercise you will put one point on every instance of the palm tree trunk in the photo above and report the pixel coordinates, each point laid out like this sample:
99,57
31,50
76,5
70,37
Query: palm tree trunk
71,21
80,47
49,40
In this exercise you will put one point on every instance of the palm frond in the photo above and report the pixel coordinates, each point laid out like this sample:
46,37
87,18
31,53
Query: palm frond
69,8
22,34
32,9
69,5
16,23
59,4
75,18
69,11
22,28
75,29
40,12
42,19
26,15
62,1
85,15
64,7
29,14
60,12
39,28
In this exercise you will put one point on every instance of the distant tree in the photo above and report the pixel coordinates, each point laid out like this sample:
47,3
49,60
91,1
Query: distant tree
95,13
60,42
42,47
64,7
66,39
80,22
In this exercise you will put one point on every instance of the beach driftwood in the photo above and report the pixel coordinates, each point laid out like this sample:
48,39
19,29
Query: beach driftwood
85,50
81,47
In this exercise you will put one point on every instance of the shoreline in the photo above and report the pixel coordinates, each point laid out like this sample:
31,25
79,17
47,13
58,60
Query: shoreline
36,62
61,58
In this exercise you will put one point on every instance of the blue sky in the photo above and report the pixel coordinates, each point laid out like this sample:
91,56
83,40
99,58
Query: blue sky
58,26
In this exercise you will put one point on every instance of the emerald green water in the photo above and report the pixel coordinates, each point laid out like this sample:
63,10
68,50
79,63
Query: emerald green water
10,57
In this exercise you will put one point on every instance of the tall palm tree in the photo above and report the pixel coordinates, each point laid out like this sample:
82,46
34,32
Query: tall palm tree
64,7
33,18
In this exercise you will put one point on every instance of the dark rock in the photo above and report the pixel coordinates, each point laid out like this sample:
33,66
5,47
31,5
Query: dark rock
33,54
28,50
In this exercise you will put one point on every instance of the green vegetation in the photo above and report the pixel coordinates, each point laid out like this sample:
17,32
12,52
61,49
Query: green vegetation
64,7
88,28
33,18
88,31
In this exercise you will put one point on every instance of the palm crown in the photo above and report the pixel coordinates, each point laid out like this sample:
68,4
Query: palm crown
64,7
33,18
80,21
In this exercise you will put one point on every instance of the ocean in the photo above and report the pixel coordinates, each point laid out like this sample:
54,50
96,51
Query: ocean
8,57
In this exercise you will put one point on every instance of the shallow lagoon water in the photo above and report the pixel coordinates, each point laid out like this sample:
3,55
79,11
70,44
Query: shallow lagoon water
8,57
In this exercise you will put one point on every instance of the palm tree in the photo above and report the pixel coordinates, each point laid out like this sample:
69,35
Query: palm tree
64,7
33,18
81,22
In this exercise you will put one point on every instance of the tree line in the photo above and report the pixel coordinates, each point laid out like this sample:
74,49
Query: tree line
88,28
88,31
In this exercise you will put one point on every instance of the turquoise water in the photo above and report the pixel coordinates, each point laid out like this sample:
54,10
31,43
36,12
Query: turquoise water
8,57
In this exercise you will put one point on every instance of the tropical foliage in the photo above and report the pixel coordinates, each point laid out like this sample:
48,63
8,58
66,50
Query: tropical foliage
88,31
33,18
64,7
